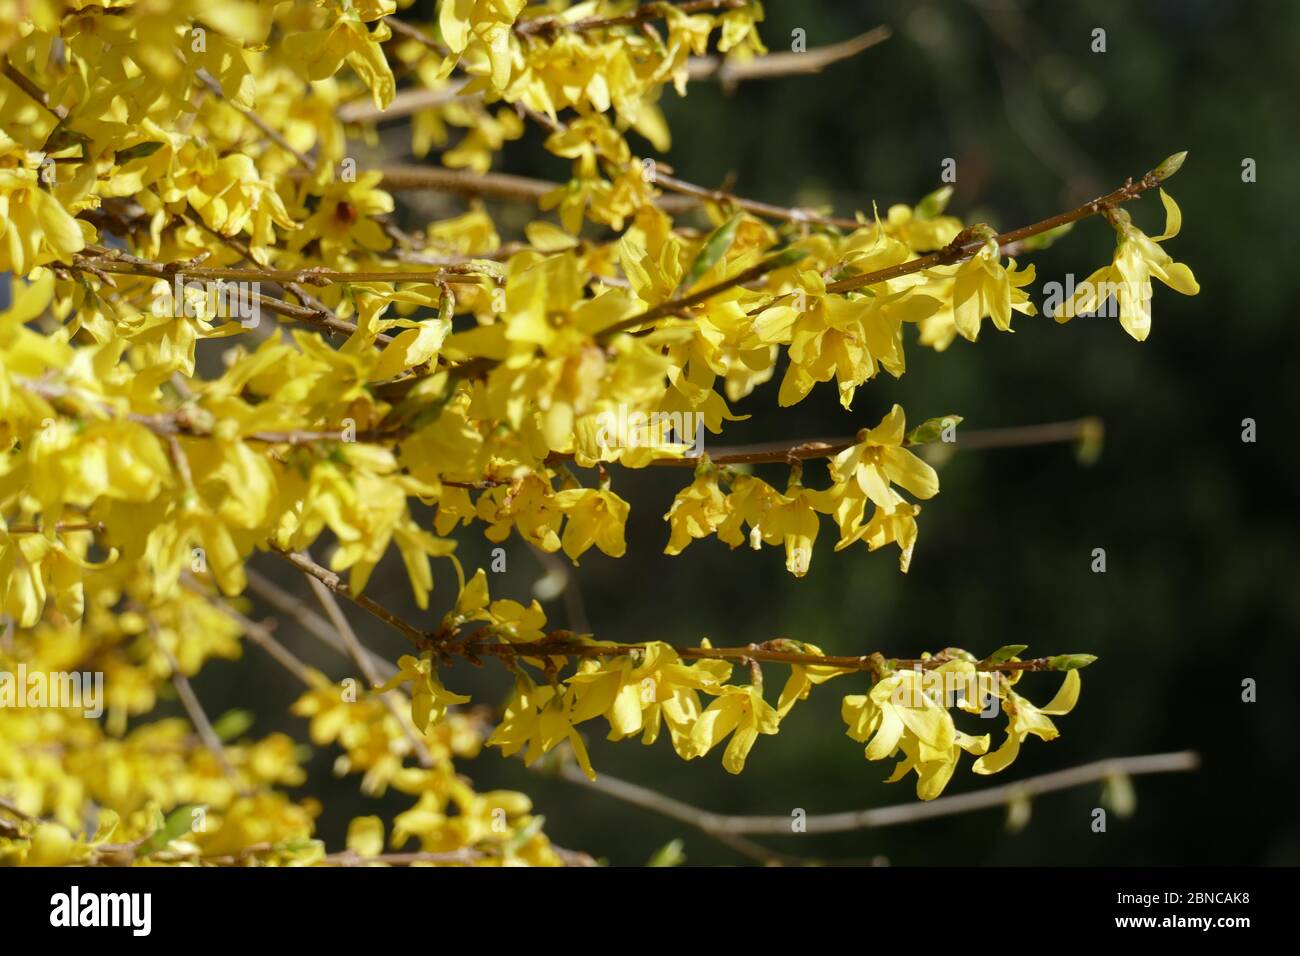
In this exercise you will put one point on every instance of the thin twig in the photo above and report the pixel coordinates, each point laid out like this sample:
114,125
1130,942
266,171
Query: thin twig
567,644
20,80
729,71
729,824
641,14
574,606
964,246
332,581
808,449
768,210
60,527
267,129
357,651
464,182
681,304
315,625
261,635
194,710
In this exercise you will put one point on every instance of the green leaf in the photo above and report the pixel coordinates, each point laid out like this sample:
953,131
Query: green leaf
714,248
1170,166
930,429
1092,436
523,835
933,204
232,724
138,151
178,823
786,257
1005,653
62,138
1117,793
670,854
1019,810
1070,662
1045,239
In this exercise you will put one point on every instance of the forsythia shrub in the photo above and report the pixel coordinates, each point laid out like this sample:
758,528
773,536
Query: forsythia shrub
173,172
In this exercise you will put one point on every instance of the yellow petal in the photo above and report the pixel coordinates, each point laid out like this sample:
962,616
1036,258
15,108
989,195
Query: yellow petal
1066,697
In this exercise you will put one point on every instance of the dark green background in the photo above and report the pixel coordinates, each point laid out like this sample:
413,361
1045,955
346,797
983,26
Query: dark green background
1199,528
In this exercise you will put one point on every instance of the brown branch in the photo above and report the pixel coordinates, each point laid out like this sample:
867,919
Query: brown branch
123,264
20,80
266,128
716,824
965,245
809,449
335,584
562,643
11,807
194,710
645,13
407,30
566,644
336,324
464,182
758,208
261,635
676,305
167,425
729,71
60,527
315,625
661,177
117,263
405,102
358,652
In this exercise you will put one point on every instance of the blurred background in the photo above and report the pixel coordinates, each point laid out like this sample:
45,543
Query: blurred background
1198,527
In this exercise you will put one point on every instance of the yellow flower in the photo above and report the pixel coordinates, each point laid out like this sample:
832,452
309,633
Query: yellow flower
595,516
804,676
792,521
739,711
366,836
697,511
637,693
901,712
1023,719
34,226
539,719
429,699
320,54
983,286
346,218
1138,257
879,458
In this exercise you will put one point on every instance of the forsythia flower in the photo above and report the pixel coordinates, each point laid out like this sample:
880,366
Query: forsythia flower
741,712
1138,257
900,713
429,699
174,171
1025,719
538,720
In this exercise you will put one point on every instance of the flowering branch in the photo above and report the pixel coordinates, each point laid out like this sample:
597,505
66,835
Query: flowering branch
968,242
724,70
564,643
771,452
644,13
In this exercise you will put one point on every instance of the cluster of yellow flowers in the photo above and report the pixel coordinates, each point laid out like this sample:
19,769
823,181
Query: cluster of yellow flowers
170,171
